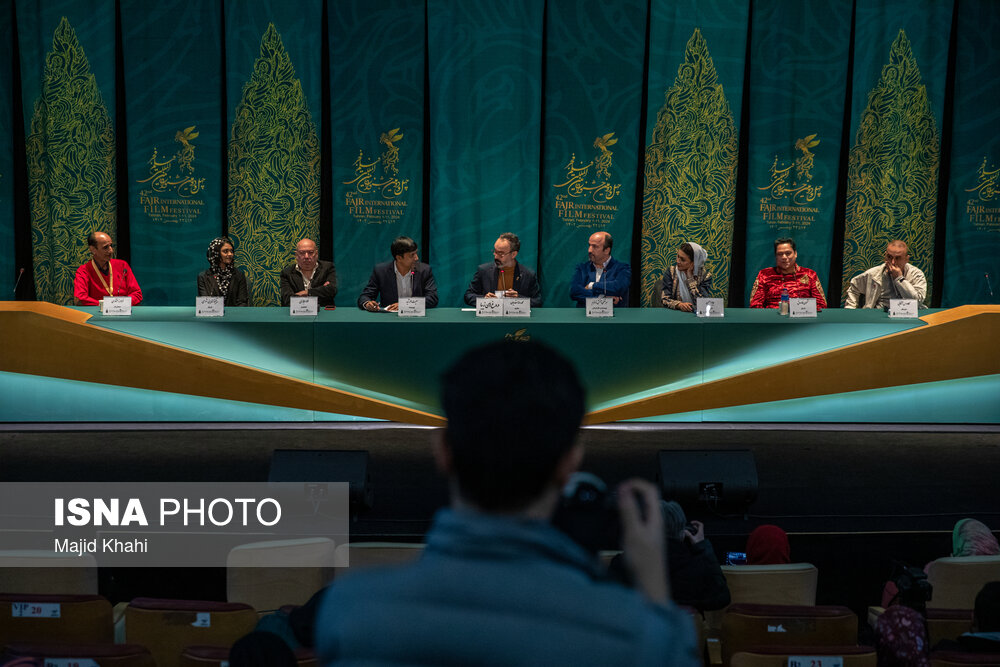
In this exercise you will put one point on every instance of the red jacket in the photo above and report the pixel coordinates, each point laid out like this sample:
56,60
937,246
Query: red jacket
88,288
804,283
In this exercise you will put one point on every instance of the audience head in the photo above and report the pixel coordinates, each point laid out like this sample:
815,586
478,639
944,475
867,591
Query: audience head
505,463
973,538
768,545
986,615
220,254
901,638
674,519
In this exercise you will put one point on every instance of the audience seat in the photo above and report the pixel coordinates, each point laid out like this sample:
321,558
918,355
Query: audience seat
105,655
748,625
777,656
956,581
62,574
64,618
166,627
368,554
957,659
788,584
308,567
217,656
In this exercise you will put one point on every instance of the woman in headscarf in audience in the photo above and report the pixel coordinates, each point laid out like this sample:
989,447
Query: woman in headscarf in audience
768,545
222,278
973,538
901,638
969,537
687,279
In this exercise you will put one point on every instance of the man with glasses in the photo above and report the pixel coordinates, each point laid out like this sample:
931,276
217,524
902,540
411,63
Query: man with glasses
308,276
895,279
504,276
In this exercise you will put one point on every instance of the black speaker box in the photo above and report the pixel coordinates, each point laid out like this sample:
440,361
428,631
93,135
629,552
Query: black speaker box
724,480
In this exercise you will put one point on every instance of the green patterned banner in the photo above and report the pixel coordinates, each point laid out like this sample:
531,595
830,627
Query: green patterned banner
274,59
696,64
377,97
67,51
485,64
972,241
173,85
8,271
593,102
798,81
900,63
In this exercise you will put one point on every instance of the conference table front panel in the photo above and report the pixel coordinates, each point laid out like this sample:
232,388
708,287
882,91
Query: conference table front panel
640,353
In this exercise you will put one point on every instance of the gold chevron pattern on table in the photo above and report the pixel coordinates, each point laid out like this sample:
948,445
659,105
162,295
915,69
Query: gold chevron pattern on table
49,340
957,343
52,341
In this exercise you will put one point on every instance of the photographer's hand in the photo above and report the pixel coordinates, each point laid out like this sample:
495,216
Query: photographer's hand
698,535
642,538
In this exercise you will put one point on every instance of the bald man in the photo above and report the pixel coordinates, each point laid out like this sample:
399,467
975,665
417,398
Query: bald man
308,276
601,275
103,275
894,279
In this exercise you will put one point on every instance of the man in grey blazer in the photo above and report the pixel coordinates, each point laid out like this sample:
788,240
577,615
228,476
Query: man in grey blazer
404,276
504,276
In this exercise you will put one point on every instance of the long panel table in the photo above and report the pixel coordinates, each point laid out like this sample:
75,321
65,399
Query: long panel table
639,355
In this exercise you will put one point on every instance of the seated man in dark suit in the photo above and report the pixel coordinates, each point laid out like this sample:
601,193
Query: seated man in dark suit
308,276
402,277
504,276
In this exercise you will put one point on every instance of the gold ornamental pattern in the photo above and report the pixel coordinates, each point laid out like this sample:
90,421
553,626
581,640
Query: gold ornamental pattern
70,152
274,170
690,174
892,172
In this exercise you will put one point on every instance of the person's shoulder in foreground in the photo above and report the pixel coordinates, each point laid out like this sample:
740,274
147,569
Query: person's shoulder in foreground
498,583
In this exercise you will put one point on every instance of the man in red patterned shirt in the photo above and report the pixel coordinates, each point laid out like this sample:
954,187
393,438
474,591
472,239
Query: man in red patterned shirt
785,274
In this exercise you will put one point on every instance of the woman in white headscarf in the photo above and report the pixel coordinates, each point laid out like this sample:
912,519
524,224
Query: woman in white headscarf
687,279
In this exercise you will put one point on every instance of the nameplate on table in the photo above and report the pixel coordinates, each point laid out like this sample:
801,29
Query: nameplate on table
489,307
903,308
412,306
303,306
600,306
518,306
705,307
802,307
815,661
116,306
209,306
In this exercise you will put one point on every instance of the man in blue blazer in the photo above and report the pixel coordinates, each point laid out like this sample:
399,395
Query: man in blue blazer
517,279
602,275
403,277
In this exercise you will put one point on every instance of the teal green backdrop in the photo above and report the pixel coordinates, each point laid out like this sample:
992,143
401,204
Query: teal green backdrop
900,66
972,245
485,69
844,124
8,271
798,75
174,138
593,105
697,57
377,87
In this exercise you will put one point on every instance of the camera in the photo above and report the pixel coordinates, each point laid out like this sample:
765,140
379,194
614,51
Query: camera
913,589
588,513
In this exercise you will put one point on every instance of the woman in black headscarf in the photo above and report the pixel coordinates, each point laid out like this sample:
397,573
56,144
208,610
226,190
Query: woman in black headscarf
222,278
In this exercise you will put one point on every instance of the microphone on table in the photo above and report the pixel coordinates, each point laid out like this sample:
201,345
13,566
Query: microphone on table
20,274
989,286
502,280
